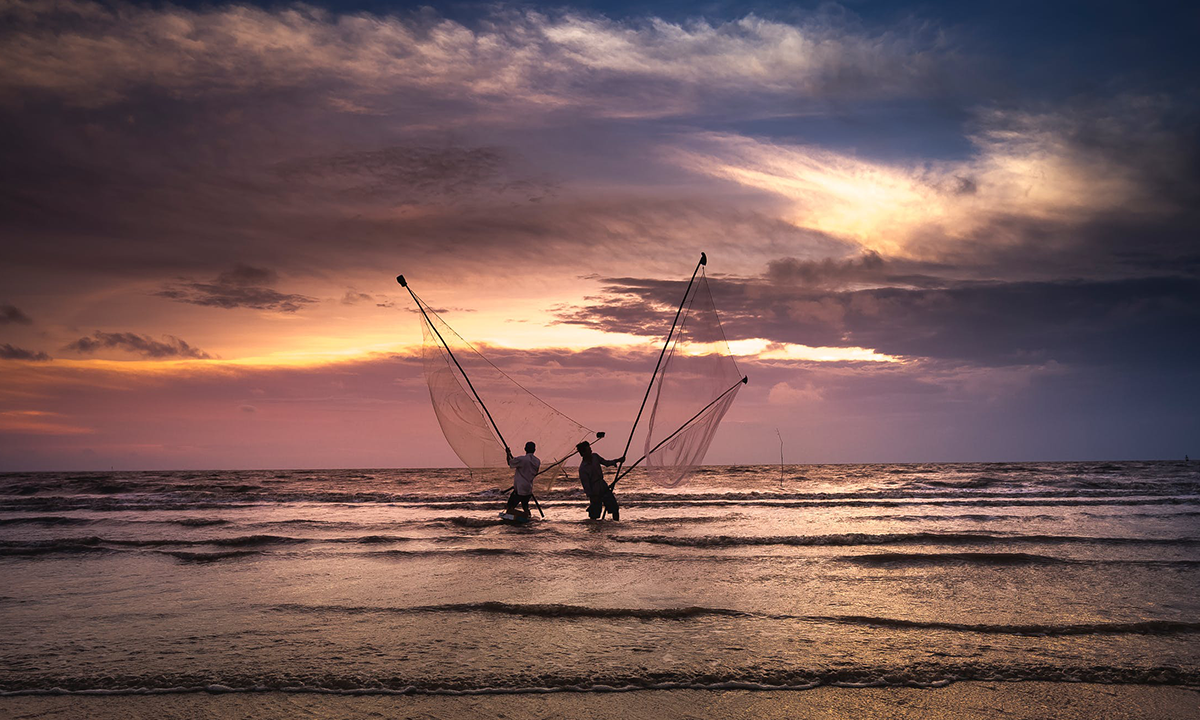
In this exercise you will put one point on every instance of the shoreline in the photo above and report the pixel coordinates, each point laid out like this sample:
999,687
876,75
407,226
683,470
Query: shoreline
1014,700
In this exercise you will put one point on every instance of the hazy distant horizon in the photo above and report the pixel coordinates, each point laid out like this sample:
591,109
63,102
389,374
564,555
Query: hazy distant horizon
465,470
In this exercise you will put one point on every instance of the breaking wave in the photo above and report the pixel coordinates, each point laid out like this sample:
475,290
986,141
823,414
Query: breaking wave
717,679
568,612
207,557
531,610
920,538
1147,627
934,559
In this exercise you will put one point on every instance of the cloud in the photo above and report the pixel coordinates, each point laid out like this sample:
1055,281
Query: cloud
1029,175
784,393
242,287
169,347
411,174
354,297
812,273
10,315
93,55
36,422
1139,322
9,352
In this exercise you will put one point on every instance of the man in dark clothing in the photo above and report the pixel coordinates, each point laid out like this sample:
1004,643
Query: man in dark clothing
591,474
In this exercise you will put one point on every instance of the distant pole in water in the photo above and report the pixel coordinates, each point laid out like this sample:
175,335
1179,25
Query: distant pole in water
780,457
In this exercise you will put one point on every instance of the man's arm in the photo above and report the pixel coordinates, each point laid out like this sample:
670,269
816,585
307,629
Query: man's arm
610,463
511,460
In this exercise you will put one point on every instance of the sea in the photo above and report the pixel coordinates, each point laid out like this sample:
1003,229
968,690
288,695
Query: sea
759,577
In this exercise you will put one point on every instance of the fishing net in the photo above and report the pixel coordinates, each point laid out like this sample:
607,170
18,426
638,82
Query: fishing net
693,390
519,414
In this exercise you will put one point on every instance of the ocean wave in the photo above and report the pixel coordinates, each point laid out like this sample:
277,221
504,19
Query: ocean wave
46,520
973,483
37,548
207,557
95,543
307,523
477,552
555,611
707,679
466,522
918,538
373,539
195,522
965,558
542,610
175,503
78,544
973,517
1146,627
240,541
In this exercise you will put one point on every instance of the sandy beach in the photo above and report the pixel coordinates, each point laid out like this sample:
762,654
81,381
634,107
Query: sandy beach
1012,701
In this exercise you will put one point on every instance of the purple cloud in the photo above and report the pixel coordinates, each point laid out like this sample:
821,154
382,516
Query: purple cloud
241,287
9,352
169,347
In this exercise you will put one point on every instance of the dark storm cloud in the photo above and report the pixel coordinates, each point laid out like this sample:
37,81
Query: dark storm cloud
10,315
1144,321
815,273
169,347
242,287
9,352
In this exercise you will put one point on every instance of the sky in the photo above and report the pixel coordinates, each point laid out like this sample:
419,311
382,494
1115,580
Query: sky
935,231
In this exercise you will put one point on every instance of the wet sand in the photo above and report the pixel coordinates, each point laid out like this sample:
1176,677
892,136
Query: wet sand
1012,701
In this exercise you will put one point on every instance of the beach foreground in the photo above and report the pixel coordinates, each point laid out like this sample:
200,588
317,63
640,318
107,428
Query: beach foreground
1013,701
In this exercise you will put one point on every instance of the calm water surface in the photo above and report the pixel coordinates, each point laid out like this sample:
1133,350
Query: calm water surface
401,580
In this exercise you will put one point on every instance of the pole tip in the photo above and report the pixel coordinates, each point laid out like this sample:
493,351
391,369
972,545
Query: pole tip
703,259
745,379
599,434
400,279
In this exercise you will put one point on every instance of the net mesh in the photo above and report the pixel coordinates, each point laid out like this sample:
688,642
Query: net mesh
519,414
693,390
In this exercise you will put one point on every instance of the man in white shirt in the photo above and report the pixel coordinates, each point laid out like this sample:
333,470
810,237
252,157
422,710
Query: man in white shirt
591,475
526,469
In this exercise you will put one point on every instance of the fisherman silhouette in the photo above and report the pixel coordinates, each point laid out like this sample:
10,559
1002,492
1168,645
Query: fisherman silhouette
526,469
591,476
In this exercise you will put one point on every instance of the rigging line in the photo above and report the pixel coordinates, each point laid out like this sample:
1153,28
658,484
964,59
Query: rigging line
682,427
687,311
721,329
703,262
485,359
573,453
421,307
